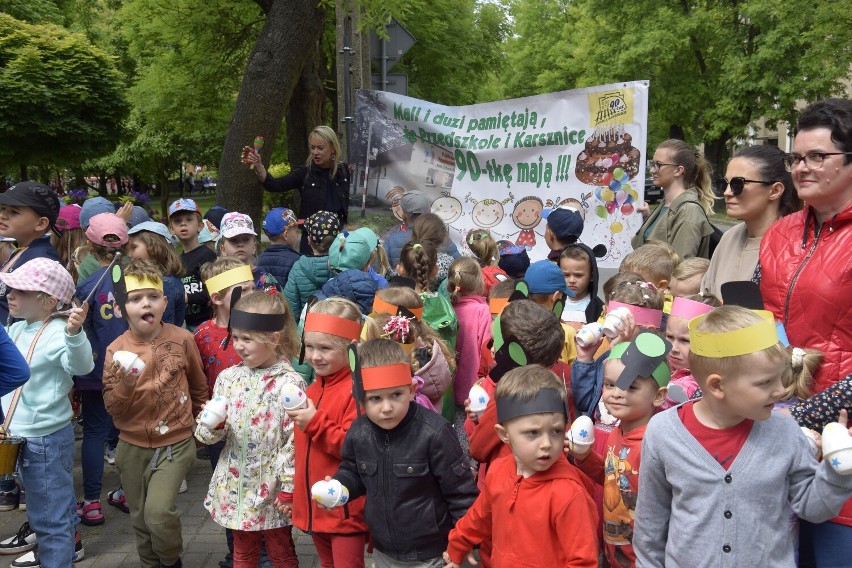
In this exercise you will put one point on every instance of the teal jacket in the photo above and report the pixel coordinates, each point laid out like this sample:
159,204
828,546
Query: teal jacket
44,407
307,277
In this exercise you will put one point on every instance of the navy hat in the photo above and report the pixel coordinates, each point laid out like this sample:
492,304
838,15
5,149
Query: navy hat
545,277
515,263
36,196
566,224
139,215
215,214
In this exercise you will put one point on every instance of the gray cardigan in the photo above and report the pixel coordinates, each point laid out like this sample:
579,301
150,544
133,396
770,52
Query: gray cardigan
692,513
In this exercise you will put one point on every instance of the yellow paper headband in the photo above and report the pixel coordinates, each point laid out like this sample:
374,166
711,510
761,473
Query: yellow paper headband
229,278
744,341
133,283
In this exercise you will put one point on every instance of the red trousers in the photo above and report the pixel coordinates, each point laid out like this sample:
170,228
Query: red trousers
339,550
279,546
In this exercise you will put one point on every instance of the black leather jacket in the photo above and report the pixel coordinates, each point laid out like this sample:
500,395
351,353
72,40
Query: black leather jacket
319,192
417,481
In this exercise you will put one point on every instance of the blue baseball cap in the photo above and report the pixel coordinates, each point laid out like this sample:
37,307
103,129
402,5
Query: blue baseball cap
183,204
545,277
279,220
94,206
153,227
139,215
566,224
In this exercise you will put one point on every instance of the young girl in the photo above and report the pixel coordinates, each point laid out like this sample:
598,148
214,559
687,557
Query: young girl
240,240
257,432
339,534
682,386
484,248
153,241
72,239
40,411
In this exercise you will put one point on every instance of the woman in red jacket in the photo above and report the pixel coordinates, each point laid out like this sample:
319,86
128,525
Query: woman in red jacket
806,275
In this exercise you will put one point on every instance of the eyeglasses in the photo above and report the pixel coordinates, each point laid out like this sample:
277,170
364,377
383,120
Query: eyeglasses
657,165
737,184
813,160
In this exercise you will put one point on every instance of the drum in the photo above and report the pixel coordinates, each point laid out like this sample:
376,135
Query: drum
10,448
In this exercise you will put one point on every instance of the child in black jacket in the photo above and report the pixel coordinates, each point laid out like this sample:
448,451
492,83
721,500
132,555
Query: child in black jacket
406,459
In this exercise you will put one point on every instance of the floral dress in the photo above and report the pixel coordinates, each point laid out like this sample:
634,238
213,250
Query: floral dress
258,460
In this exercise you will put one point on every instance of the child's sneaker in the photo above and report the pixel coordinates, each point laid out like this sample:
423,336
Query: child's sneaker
109,455
22,499
31,560
22,542
183,487
9,499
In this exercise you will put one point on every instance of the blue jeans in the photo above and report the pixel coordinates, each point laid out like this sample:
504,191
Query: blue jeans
823,545
45,467
97,426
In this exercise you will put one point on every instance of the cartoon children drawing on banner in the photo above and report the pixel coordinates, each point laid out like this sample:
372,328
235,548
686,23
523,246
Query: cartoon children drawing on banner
527,216
489,212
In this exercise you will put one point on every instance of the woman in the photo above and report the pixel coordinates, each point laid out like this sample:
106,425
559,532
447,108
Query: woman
681,220
758,190
322,183
806,273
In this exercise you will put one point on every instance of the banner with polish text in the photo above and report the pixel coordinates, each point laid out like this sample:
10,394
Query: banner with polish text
504,166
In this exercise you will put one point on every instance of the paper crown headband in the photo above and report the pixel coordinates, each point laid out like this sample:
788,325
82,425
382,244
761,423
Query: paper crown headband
382,307
251,321
123,284
751,339
645,356
688,309
374,378
645,317
546,400
229,278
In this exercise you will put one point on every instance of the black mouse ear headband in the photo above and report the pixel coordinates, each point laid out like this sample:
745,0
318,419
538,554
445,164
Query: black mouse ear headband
265,323
508,353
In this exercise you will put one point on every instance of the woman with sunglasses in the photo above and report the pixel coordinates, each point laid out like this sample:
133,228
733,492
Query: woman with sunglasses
757,190
806,263
681,220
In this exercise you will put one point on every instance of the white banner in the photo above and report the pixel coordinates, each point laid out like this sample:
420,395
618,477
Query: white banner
503,166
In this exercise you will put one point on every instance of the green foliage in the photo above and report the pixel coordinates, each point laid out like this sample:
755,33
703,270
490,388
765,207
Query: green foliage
33,11
61,99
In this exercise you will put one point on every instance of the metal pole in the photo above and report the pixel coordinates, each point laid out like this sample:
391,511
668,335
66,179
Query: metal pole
347,85
384,65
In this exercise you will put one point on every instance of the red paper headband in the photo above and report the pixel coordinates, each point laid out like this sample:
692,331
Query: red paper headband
382,307
497,305
387,376
333,325
646,317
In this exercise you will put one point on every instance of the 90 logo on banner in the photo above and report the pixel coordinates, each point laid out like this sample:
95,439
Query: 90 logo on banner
467,162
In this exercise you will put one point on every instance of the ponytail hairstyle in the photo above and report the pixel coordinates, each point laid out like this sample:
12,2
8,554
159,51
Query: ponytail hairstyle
465,278
419,262
429,228
769,161
798,377
482,245
379,260
374,328
696,170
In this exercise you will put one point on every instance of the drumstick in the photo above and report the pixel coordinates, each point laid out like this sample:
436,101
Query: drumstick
101,279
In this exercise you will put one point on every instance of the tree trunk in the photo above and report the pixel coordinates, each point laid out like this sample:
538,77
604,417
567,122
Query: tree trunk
287,40
306,108
23,172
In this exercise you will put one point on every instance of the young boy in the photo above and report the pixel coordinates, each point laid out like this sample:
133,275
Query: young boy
720,474
564,227
635,379
654,262
534,505
580,270
429,483
310,272
154,412
547,286
281,227
28,211
185,222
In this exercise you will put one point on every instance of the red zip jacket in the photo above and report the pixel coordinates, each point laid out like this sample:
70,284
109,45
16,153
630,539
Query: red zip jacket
318,454
547,519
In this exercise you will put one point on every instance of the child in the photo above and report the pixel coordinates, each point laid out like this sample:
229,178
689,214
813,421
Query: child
580,270
152,241
349,260
653,262
564,227
107,236
281,227
340,534
28,211
687,276
257,432
514,260
40,412
394,432
534,505
724,462
185,222
154,412
482,245
682,386
311,271
242,244
71,239
635,379
91,207
547,287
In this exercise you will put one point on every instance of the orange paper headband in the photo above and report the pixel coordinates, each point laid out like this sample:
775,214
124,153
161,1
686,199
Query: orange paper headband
382,307
387,376
333,325
497,305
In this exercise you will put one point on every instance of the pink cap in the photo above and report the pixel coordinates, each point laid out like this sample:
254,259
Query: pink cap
688,309
69,218
41,275
108,230
646,317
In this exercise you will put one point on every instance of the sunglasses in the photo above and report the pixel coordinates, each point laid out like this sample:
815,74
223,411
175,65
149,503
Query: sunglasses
737,185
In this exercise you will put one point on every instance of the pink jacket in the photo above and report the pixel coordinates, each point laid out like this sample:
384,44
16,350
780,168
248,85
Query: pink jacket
474,330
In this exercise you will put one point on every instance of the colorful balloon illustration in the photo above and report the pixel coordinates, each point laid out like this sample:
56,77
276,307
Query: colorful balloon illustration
616,228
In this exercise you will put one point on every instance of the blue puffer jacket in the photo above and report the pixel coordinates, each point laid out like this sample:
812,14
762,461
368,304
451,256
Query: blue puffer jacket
307,276
278,260
355,285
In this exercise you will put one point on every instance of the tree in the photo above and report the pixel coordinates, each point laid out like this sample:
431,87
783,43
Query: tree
60,97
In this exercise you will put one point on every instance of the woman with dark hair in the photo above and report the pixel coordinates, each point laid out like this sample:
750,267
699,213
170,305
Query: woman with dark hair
681,220
806,274
758,190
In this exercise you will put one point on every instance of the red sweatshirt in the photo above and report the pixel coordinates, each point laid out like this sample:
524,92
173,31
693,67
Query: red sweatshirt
318,454
547,519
